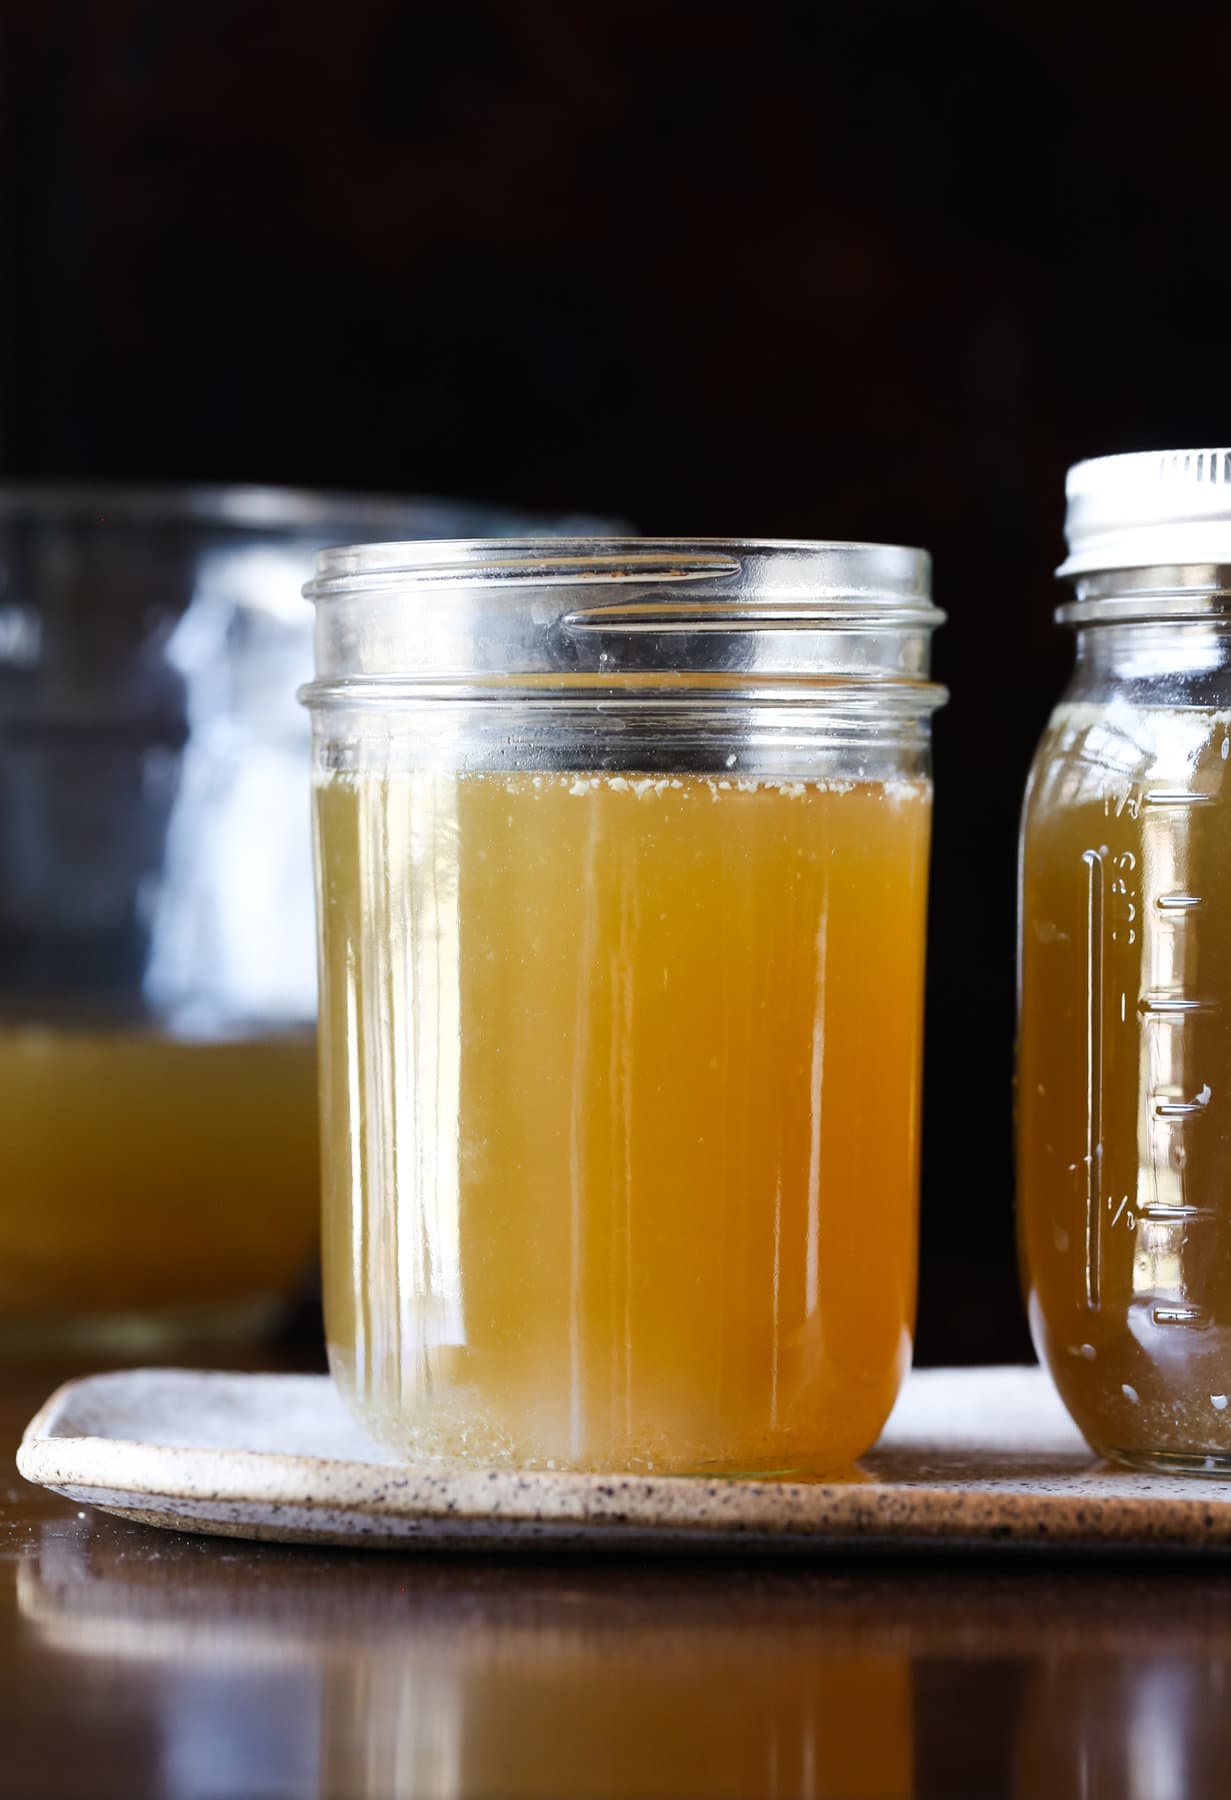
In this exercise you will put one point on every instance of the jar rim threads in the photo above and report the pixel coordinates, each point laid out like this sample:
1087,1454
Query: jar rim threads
623,614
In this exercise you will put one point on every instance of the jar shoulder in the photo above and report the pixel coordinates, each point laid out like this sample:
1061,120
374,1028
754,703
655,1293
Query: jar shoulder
1111,747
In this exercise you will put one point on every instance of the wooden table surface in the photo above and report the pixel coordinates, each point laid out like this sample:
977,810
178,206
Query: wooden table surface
140,1663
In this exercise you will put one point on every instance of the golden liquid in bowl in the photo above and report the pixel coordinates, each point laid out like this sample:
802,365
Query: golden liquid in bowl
142,1175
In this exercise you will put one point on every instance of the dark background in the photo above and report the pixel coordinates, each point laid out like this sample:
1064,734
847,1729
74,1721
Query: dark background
861,271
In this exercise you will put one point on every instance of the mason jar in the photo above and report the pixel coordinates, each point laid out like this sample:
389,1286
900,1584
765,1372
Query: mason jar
1124,1057
622,855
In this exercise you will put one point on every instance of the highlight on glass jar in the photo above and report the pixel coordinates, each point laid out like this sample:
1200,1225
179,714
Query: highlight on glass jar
158,1117
1124,1054
622,857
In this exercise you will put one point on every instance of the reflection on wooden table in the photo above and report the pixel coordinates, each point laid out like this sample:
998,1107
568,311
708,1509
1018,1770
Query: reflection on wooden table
485,1679
232,1669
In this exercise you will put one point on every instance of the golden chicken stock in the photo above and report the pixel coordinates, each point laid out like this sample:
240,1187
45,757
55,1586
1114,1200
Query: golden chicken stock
152,1177
620,1087
1124,1075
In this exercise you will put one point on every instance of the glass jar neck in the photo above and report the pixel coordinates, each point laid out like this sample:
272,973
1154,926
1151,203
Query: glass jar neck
1196,591
1163,633
1155,651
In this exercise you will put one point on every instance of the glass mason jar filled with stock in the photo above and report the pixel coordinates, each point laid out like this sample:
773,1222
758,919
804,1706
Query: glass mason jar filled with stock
622,854
158,1135
1124,1058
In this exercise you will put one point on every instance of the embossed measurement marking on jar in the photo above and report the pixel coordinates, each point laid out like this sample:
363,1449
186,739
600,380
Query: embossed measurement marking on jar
1196,1318
1160,1213
1122,912
1176,797
1167,1006
1173,1006
1094,1067
1182,1109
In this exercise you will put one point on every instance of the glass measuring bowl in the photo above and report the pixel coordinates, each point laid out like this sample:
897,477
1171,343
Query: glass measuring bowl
1124,1062
622,853
158,1140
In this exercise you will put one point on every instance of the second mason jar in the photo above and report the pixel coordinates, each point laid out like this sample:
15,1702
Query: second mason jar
622,855
1124,1063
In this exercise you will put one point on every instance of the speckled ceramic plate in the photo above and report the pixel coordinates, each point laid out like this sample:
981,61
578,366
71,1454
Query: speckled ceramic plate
970,1457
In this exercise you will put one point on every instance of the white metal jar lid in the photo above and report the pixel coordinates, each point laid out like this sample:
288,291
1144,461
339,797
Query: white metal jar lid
1152,508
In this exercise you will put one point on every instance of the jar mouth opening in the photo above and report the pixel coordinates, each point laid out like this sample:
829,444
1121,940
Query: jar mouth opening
579,613
762,571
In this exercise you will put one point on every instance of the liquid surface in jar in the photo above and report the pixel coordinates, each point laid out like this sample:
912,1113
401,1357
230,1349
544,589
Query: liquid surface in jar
620,1104
1124,1075
145,1175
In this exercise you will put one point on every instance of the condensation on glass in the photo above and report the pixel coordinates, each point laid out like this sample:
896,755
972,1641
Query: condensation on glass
622,853
1124,1057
